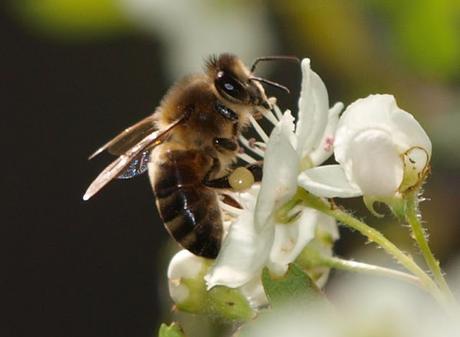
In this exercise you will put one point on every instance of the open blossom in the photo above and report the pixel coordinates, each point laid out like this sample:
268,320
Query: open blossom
255,239
381,150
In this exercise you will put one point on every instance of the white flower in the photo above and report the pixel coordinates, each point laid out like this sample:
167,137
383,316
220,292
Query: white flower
361,308
381,149
255,239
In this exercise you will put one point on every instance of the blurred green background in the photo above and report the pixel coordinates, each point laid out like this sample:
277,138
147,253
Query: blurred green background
75,72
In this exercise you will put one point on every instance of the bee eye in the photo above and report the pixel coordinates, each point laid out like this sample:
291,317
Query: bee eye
230,87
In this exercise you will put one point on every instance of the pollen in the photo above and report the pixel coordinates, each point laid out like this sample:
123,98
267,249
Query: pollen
241,179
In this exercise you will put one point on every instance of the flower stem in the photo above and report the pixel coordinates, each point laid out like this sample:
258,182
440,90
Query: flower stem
374,236
420,237
311,258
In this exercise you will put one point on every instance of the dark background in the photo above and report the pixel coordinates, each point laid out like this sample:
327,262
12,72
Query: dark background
98,268
75,268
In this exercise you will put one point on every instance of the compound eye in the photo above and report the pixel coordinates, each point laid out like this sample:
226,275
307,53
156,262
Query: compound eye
230,87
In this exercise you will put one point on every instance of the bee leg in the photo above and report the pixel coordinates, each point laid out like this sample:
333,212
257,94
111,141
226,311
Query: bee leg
225,182
256,170
217,183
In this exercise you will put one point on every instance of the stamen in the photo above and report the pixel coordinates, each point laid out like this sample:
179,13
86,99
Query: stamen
251,146
261,145
270,116
258,129
278,112
247,158
232,211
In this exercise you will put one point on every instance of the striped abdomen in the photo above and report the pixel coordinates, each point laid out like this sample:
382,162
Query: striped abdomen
189,209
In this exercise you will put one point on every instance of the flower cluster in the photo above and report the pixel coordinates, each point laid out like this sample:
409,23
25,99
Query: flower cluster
381,151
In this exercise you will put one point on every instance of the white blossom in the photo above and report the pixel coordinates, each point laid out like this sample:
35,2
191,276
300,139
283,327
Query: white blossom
381,150
256,239
361,308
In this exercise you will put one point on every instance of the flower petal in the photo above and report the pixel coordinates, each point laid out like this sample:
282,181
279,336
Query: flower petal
290,240
255,293
328,181
327,224
243,254
281,166
377,167
408,133
184,265
326,146
313,111
379,112
371,112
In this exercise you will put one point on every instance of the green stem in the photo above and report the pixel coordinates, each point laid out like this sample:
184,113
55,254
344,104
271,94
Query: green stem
420,237
311,258
374,236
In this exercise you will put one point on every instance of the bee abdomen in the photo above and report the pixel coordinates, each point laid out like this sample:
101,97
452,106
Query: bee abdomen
189,210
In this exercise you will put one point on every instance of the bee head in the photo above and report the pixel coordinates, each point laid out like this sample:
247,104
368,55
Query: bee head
234,81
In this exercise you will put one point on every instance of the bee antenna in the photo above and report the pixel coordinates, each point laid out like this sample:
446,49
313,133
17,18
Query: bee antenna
274,58
273,84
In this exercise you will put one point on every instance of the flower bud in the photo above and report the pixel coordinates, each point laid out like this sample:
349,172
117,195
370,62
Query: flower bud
187,289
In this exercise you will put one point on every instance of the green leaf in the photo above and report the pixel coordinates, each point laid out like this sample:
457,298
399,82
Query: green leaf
173,330
295,287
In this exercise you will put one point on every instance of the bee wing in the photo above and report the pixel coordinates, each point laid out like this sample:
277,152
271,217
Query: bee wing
119,165
128,137
137,166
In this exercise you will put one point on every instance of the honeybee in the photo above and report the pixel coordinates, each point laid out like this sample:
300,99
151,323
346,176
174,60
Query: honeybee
188,146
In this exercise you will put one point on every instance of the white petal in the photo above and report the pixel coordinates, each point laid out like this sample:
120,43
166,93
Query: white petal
328,181
255,293
366,113
243,254
290,240
184,265
375,164
408,133
313,111
328,225
280,170
379,112
326,146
